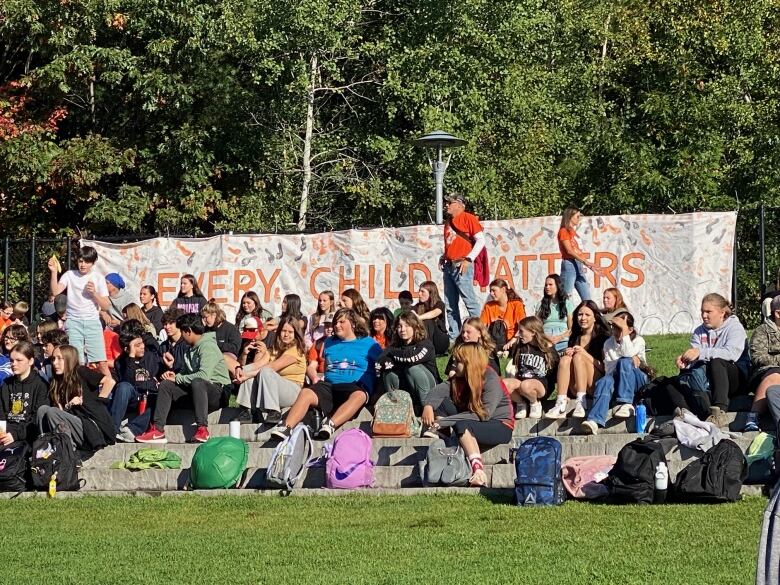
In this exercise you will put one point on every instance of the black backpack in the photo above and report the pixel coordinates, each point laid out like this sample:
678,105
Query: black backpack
54,453
632,479
13,467
716,477
497,330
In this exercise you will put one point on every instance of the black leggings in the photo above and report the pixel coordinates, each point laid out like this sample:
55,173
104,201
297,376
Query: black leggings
724,377
488,433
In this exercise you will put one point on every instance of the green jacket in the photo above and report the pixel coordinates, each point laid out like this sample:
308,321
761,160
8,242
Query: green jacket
765,346
204,360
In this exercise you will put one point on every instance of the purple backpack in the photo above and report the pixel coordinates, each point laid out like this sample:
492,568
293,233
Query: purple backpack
349,464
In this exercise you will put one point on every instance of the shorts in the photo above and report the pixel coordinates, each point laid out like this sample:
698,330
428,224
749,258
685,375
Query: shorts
544,382
331,396
86,335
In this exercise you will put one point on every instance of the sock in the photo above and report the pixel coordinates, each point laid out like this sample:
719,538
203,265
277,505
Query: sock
581,398
562,399
476,462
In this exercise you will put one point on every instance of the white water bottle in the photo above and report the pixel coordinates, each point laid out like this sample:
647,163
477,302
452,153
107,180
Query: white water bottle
661,482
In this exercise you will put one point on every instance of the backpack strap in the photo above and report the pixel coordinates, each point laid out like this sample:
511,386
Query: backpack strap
461,233
303,429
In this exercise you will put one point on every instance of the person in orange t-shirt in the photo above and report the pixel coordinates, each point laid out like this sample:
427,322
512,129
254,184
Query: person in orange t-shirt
505,306
573,260
463,241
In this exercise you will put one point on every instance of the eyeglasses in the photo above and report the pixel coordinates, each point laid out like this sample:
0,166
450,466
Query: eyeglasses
10,338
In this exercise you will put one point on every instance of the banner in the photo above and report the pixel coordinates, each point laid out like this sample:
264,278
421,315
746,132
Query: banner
662,264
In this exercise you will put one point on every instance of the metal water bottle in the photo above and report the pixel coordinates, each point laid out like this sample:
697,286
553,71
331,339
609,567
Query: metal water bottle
640,419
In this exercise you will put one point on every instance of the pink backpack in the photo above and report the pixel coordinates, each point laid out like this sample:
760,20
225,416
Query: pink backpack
349,464
582,474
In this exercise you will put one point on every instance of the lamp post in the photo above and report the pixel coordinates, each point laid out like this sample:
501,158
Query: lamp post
439,140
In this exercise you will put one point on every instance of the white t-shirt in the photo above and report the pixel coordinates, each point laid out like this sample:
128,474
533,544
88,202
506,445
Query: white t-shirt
81,304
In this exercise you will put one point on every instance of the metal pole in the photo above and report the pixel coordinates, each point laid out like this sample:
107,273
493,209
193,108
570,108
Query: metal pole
69,252
438,176
762,240
734,276
32,277
6,267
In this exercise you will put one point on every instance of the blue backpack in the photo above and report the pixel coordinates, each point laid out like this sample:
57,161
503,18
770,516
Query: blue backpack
539,479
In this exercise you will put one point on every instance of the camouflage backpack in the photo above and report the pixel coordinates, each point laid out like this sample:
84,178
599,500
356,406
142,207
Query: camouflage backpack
394,416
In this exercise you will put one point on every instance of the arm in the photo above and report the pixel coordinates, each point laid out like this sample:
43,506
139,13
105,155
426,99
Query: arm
232,340
761,352
432,314
437,395
731,348
411,355
55,287
311,372
479,244
281,362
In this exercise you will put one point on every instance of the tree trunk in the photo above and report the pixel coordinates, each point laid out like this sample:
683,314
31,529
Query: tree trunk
304,206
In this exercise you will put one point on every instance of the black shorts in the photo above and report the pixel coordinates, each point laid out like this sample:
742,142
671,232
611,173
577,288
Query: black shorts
544,382
331,396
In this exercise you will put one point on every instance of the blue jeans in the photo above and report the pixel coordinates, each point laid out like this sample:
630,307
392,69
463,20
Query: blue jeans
457,286
625,380
123,395
573,276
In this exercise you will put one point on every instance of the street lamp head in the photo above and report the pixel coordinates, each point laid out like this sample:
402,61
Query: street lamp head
439,138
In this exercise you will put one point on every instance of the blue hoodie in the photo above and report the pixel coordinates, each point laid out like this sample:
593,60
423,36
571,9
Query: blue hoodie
727,342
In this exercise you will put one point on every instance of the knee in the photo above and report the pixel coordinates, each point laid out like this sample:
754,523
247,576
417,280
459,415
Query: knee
579,359
123,390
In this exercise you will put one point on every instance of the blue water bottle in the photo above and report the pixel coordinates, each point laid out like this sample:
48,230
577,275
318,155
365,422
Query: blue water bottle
641,419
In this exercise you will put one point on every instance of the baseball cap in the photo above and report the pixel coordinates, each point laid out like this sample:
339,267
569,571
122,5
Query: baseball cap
456,197
249,328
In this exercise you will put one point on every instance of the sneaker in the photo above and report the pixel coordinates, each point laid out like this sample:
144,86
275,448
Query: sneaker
478,478
244,415
281,431
201,435
151,436
430,433
535,411
125,435
751,426
589,427
326,430
718,417
623,411
521,411
272,417
579,410
558,411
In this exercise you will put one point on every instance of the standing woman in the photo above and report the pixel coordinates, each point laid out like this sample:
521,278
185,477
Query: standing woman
151,306
474,404
583,361
190,298
352,299
326,303
432,312
556,310
573,261
250,307
502,313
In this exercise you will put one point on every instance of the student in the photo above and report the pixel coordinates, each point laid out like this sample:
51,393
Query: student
291,307
582,362
326,304
502,312
624,358
136,313
6,315
573,260
349,378
534,360
273,381
227,335
474,331
352,299
406,300
87,294
60,309
119,297
431,311
79,401
409,363
555,310
11,335
190,298
613,304
42,328
174,348
21,396
204,380
21,309
380,325
250,307
50,341
150,303
474,405
765,356
315,357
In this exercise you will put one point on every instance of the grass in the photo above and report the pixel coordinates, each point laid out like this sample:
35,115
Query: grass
369,539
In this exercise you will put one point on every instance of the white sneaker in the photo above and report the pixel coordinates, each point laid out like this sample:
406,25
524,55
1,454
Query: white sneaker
535,410
125,435
521,411
579,410
623,411
589,427
558,411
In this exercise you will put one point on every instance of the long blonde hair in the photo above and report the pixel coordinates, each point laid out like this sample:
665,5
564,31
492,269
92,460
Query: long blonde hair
485,339
467,389
540,340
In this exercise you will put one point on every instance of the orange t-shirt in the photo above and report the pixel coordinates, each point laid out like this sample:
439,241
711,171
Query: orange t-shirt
514,312
314,355
111,341
456,247
568,234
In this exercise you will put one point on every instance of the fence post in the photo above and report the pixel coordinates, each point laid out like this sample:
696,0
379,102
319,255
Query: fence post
69,249
32,276
6,266
734,275
762,241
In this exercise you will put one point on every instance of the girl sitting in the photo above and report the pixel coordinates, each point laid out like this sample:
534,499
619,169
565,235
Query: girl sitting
556,311
474,331
21,396
431,311
613,304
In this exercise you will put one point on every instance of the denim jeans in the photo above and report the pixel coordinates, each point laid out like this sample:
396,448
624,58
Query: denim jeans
123,395
625,380
457,286
573,276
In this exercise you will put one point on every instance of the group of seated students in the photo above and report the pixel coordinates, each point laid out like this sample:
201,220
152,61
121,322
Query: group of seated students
342,357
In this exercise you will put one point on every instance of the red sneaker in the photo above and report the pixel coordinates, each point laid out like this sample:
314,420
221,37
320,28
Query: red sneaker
201,435
152,436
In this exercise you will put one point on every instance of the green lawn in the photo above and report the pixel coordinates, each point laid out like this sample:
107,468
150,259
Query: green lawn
368,539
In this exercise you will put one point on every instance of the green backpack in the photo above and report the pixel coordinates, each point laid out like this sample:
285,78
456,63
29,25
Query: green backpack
218,463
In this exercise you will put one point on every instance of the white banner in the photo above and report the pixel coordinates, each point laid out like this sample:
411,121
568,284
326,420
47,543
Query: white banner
663,264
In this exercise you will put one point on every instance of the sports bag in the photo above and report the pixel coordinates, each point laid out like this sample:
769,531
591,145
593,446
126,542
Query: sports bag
498,331
632,479
394,416
13,467
54,453
349,464
538,467
581,476
444,465
716,477
218,463
289,459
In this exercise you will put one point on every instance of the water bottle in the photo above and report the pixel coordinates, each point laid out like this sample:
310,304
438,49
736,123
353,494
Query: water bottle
53,485
661,483
142,404
640,419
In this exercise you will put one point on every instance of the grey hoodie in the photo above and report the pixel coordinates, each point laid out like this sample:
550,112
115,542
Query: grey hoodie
727,342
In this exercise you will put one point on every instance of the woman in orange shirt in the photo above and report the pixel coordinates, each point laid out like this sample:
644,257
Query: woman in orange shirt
507,308
573,260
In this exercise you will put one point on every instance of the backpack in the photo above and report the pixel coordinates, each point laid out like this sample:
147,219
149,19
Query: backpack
760,459
538,466
349,464
481,262
632,479
54,453
289,459
581,476
218,463
498,331
13,467
394,416
444,465
716,477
